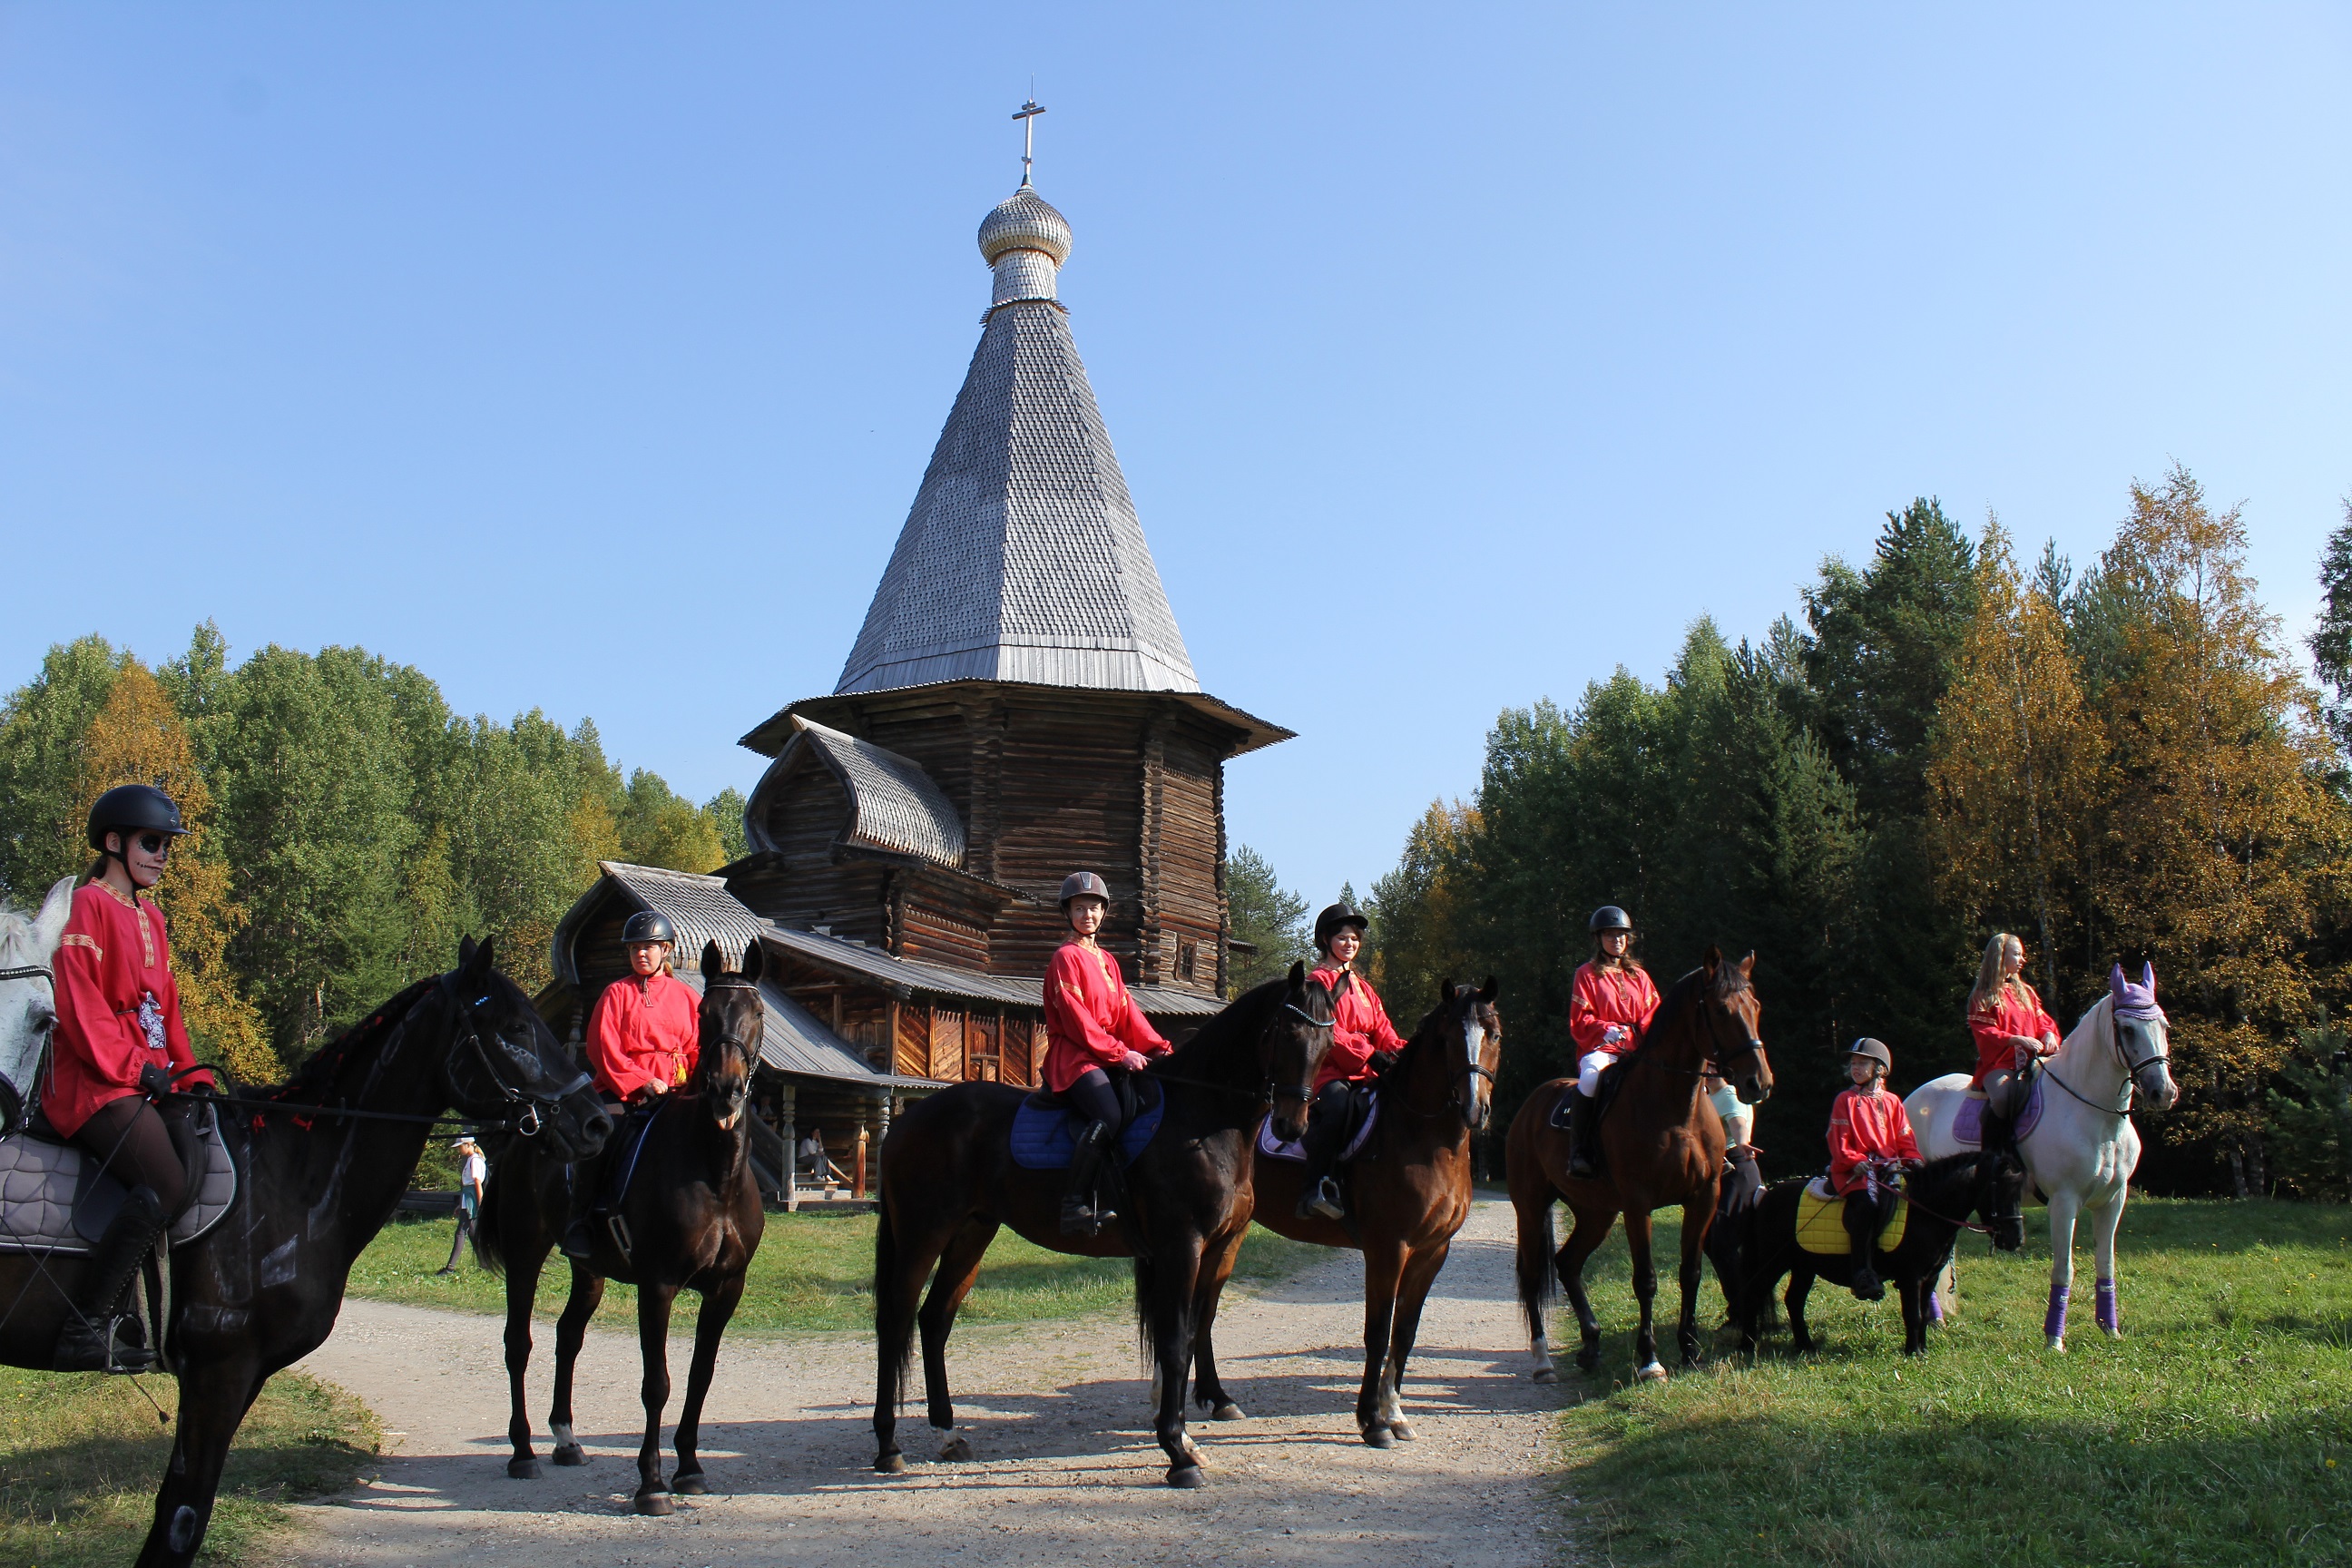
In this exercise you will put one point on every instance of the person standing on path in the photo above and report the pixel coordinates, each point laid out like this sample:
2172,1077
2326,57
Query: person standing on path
1092,1026
1608,1006
473,1171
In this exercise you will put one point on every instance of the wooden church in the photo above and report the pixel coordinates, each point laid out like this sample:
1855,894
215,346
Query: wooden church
1018,705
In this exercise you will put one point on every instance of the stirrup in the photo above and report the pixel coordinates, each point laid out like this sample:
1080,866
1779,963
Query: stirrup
85,1345
1079,1219
1324,1200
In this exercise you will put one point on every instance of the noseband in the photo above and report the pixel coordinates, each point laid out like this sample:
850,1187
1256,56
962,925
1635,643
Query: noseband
29,971
1270,1091
529,1120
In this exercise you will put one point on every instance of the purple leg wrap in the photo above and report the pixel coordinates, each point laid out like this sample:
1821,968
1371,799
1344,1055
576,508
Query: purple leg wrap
1935,1304
2053,1322
2107,1305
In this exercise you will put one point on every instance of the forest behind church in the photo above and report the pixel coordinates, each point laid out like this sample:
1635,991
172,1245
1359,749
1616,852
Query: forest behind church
349,826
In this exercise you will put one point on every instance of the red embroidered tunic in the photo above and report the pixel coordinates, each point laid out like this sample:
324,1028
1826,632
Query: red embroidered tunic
1600,997
1090,1020
1866,1127
2018,1011
642,1032
1359,1025
112,958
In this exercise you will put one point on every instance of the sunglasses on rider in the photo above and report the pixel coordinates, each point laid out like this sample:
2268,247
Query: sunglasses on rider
155,843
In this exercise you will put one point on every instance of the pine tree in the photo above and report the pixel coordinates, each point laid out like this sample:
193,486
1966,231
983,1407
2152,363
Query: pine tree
1260,911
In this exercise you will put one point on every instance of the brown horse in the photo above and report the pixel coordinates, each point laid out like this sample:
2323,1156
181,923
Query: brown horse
1408,1191
949,1183
690,1219
1661,1143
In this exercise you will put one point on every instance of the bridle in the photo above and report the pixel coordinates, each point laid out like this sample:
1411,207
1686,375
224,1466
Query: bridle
527,1123
2132,1069
1466,1071
729,1038
1270,1092
29,971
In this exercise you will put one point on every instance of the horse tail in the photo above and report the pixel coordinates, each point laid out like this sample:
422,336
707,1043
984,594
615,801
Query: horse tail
1147,1312
488,1252
1533,1266
1532,1197
893,1325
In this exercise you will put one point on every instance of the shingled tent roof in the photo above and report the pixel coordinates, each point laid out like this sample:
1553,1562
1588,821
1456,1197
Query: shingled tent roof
1022,559
894,806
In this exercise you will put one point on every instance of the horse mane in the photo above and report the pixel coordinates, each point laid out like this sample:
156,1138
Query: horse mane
319,1071
1244,1013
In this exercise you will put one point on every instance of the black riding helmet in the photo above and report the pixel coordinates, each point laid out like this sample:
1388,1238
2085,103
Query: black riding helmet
1332,921
1609,917
646,925
133,809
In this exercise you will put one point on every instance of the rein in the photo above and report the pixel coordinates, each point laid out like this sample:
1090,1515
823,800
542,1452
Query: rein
29,971
2132,1069
1266,1093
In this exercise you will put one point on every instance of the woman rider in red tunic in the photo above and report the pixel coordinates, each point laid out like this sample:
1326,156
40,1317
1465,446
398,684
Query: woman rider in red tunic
1092,1026
120,1038
643,1039
1364,1044
2011,1029
1610,1006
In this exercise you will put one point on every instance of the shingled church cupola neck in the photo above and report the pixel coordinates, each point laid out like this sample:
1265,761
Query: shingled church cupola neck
1027,243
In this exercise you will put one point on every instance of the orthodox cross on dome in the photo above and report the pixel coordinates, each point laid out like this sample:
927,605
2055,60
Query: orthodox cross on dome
1027,114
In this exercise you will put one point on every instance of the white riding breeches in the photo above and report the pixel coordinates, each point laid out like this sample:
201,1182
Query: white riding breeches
1588,1071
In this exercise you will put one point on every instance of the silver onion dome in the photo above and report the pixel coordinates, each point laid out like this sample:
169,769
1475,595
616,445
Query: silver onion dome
1025,221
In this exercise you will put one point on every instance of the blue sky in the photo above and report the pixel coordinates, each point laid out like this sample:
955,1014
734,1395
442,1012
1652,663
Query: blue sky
588,356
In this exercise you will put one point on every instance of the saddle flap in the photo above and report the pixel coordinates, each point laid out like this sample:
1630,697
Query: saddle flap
97,1199
1273,1148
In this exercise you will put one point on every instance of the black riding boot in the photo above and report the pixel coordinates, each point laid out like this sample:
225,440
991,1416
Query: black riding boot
578,1239
1079,1215
89,1343
1583,1136
1864,1221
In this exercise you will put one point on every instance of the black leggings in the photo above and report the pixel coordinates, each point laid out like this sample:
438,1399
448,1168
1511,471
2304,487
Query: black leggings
1327,1122
129,1140
1093,1097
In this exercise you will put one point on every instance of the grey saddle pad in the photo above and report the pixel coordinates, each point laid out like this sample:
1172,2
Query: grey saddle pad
41,1183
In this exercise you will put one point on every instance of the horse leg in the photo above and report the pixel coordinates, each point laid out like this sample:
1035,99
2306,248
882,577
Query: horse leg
654,1302
719,1305
958,1267
571,1333
1413,1293
1168,1311
2103,1251
523,1288
2065,1206
1383,1265
215,1393
899,1268
1800,1285
1645,1292
1696,1216
1914,1294
1591,1229
1208,1389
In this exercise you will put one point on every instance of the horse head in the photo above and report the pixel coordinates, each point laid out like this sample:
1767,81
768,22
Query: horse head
29,1011
2143,1036
1732,1014
732,1019
2001,1199
505,1065
1471,1018
1297,1033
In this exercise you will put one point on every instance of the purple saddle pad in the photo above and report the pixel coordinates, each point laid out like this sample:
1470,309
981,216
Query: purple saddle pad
1275,1149
1968,1125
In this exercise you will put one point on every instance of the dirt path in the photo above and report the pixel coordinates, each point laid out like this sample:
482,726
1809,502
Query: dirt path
1065,1467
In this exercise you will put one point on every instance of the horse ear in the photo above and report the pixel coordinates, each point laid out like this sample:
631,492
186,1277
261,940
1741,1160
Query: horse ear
1445,991
1299,975
465,953
2147,977
1713,962
713,966
2116,983
1748,965
755,958
49,925
1492,989
483,960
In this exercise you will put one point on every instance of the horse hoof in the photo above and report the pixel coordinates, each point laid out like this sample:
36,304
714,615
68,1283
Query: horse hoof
1546,1374
656,1504
1228,1411
890,1464
1187,1478
1653,1372
522,1469
2058,1344
690,1486
956,1451
1403,1432
1379,1438
570,1454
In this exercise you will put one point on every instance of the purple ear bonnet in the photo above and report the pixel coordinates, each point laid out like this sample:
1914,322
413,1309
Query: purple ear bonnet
2134,999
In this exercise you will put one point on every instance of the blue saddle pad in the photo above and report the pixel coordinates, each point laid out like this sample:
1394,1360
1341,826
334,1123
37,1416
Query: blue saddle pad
1044,1137
1967,1122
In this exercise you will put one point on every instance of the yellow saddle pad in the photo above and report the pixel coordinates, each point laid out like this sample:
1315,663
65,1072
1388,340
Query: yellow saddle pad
1821,1222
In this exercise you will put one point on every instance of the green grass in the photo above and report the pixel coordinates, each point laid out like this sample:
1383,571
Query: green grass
2218,1432
814,1273
81,1455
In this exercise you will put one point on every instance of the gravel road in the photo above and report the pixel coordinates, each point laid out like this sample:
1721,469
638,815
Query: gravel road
1064,1467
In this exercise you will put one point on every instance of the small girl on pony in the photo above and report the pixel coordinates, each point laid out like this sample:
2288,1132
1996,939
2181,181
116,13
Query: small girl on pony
1870,1146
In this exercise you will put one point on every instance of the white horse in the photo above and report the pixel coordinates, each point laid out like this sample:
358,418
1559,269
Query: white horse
27,999
2084,1149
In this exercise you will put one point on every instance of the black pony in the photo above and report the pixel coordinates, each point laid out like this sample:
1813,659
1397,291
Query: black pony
949,1183
1942,1194
260,1289
692,1220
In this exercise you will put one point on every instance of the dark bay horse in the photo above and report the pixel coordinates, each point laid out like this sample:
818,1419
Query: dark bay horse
949,1183
1661,1143
322,1165
1408,1191
1942,1195
692,1220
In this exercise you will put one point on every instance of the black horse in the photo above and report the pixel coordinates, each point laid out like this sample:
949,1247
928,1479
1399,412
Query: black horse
691,1218
1942,1194
260,1291
949,1183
